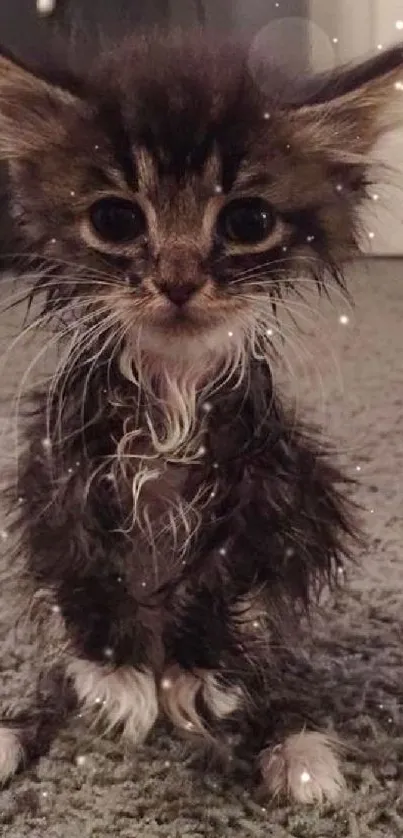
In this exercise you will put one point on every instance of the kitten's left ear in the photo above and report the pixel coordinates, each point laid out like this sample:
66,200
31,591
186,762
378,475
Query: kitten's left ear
31,110
354,106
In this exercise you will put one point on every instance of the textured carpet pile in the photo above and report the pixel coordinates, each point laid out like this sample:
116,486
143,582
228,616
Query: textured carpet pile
351,376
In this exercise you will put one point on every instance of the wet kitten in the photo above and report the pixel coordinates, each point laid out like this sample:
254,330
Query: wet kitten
172,518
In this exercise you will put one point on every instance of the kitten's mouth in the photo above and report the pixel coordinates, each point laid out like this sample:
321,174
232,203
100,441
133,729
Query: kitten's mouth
184,319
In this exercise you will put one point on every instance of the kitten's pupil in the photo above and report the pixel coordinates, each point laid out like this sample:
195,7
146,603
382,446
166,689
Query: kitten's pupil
246,221
117,220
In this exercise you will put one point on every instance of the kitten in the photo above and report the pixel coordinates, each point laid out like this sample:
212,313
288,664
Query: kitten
172,518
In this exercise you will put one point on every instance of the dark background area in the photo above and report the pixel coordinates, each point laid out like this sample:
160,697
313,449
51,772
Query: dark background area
24,31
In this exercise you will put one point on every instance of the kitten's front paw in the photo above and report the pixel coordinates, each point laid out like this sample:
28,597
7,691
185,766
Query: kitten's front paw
11,753
304,768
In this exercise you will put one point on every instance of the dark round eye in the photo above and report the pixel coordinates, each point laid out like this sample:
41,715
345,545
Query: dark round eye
117,220
246,221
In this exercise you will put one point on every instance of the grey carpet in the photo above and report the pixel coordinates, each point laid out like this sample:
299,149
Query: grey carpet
352,375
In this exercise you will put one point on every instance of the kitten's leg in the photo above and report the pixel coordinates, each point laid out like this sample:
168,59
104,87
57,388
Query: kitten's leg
120,696
27,735
303,767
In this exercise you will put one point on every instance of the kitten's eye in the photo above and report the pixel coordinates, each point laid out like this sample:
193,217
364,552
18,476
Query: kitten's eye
117,220
246,221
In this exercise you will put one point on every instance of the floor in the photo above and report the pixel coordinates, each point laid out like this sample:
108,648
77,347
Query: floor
349,373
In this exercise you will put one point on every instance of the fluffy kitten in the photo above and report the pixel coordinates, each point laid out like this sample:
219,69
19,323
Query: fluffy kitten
172,518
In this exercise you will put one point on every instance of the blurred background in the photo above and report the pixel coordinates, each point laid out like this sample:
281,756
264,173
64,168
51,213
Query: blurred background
302,34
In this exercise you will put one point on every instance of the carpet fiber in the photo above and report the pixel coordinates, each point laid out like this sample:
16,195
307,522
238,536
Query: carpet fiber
351,376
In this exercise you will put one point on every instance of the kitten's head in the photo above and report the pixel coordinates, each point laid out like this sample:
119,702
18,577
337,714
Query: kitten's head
170,200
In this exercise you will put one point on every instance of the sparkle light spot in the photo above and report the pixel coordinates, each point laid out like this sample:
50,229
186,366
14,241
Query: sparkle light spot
167,764
380,46
218,189
207,406
202,450
45,794
144,584
56,609
20,499
53,241
310,239
213,494
358,468
189,726
269,333
372,511
266,115
223,551
340,569
335,40
339,187
344,319
230,334
256,624
72,193
46,442
305,777
45,7
399,85
375,196
80,760
166,683
119,579
216,466
284,248
96,147
108,652
98,700
371,235
399,24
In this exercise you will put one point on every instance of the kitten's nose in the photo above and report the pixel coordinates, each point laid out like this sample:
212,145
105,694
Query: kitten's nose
179,294
180,272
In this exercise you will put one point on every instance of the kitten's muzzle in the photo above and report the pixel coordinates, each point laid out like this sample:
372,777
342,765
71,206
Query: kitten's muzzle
180,273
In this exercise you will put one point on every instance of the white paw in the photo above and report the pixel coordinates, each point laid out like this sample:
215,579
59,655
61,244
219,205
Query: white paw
11,753
304,768
120,696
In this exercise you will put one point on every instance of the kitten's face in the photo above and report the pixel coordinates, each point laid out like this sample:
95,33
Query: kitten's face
175,199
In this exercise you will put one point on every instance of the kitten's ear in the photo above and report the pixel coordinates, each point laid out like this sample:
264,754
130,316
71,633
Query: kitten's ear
31,110
354,106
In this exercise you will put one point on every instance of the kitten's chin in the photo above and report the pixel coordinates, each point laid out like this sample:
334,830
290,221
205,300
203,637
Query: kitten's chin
181,351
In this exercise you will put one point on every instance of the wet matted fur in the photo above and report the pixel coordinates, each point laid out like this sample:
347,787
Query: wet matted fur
174,519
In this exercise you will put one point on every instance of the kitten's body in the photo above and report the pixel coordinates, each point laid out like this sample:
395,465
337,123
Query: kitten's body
173,519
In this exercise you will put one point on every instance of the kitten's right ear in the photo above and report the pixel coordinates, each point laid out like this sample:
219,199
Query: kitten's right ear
354,107
31,110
